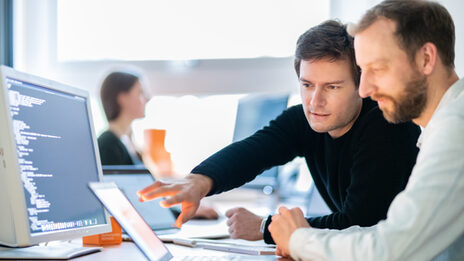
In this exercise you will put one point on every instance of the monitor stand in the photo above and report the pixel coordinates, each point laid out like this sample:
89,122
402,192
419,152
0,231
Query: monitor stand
62,250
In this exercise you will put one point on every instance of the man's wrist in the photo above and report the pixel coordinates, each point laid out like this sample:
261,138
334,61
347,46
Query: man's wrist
206,183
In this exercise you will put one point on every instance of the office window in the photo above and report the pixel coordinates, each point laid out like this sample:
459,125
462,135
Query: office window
182,29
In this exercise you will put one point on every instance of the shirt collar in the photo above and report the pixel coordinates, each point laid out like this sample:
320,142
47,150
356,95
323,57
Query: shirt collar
454,91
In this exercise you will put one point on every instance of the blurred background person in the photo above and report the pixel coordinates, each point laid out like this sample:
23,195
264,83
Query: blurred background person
123,101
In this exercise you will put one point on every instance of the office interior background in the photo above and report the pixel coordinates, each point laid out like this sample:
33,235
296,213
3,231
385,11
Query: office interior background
198,57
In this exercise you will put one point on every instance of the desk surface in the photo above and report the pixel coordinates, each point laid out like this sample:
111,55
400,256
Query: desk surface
129,251
253,200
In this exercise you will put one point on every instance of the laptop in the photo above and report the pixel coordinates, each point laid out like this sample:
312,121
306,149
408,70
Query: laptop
131,179
143,236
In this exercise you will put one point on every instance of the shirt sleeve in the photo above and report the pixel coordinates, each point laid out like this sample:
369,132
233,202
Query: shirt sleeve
240,162
422,221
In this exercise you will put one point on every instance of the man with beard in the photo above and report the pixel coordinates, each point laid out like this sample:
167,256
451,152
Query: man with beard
406,52
358,160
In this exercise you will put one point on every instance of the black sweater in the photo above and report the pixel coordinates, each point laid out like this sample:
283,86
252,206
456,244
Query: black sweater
357,174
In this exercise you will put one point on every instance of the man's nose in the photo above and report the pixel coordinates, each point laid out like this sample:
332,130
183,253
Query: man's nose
365,86
317,98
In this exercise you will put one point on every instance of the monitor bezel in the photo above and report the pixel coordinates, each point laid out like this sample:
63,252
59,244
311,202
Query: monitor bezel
18,209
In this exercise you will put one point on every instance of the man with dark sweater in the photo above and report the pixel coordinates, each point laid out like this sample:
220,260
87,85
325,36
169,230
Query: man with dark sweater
358,161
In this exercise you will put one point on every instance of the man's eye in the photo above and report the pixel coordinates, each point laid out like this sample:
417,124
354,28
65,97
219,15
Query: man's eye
332,87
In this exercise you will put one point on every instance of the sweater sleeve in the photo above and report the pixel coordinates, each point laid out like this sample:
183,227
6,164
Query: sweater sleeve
240,162
383,157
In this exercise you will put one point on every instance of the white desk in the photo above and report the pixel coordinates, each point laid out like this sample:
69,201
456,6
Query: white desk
129,251
257,202
261,204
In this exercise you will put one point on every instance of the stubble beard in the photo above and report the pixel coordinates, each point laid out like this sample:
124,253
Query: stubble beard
411,102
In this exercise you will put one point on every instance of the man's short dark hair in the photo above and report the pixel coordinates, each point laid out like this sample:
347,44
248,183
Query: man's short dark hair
417,22
114,84
329,40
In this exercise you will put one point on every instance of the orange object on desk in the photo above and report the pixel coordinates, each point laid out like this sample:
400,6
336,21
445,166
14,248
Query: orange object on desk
111,238
154,148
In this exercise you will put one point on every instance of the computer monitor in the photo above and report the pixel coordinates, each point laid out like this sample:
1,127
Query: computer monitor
255,111
48,155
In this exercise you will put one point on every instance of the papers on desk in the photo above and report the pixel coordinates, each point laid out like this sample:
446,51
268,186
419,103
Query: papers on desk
210,234
233,246
205,229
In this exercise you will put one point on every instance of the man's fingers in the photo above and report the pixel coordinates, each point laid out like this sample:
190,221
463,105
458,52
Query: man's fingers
208,213
230,221
231,212
152,186
149,188
181,219
298,212
283,210
184,216
163,191
232,233
275,217
188,210
174,200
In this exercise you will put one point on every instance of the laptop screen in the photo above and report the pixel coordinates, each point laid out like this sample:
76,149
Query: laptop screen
157,217
118,205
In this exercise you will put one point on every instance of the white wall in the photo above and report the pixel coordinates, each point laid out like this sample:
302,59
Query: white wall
35,52
350,11
456,7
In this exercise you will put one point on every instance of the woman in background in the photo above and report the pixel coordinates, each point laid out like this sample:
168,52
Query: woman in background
123,101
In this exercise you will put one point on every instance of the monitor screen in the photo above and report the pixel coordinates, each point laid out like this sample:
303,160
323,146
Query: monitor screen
56,157
253,113
256,111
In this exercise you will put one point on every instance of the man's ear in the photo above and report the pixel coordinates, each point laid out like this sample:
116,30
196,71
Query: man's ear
427,58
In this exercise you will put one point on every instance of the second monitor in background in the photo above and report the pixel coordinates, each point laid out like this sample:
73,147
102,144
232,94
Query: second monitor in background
253,113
